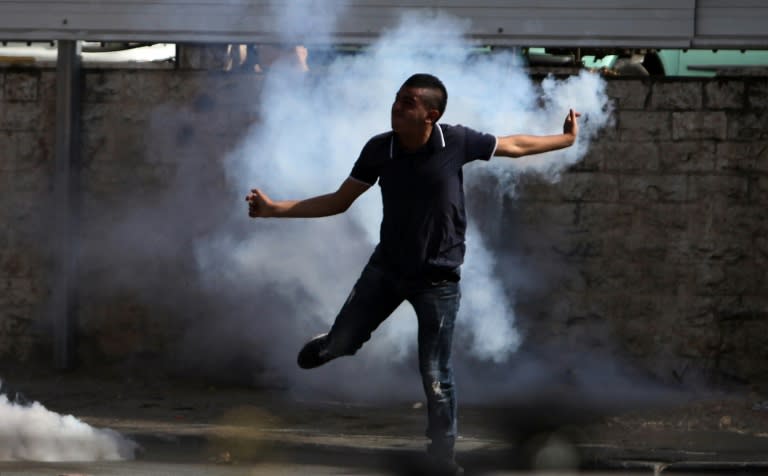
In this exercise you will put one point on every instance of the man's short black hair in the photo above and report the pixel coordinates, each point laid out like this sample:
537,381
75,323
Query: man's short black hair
439,99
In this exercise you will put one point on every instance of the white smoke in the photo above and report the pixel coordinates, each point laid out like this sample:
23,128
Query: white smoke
486,312
299,19
34,433
311,132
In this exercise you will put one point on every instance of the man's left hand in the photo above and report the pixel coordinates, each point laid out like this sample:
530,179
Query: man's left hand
571,126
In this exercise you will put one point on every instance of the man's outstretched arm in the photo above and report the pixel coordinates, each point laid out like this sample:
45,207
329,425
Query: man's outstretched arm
521,145
260,205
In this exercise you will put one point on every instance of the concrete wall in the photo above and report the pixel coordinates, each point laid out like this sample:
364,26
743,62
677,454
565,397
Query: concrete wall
658,237
654,247
27,110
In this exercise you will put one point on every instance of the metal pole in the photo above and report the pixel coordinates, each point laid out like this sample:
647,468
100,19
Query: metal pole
65,203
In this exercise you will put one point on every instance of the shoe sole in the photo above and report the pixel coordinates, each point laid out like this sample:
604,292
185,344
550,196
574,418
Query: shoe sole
309,355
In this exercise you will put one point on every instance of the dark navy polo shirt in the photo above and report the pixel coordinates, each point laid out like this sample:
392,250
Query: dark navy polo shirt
424,223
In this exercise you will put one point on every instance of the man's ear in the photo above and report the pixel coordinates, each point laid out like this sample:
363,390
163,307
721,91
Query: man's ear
433,115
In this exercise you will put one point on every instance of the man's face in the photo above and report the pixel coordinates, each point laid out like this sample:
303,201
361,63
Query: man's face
409,113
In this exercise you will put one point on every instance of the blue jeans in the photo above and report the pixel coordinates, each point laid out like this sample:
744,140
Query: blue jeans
375,296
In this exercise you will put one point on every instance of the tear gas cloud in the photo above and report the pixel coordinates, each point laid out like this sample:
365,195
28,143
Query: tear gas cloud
34,433
298,19
312,130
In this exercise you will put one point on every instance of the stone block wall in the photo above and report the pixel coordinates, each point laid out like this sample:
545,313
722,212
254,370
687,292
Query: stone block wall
152,182
27,110
653,247
654,244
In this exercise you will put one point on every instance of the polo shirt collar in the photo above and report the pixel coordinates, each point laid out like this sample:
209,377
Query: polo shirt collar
436,142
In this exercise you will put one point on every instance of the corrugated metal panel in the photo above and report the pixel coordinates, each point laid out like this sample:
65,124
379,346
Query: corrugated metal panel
732,23
546,23
649,23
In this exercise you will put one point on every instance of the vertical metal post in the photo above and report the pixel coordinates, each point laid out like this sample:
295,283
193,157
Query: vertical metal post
65,203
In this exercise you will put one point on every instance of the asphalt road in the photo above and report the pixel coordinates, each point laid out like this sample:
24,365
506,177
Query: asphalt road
193,428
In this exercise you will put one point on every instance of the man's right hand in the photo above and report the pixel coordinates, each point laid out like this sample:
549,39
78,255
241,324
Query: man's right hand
259,204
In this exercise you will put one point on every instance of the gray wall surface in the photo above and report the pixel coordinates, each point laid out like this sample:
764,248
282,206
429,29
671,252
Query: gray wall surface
654,246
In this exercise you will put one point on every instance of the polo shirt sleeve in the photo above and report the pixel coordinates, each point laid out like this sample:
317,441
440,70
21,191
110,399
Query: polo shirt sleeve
479,145
365,169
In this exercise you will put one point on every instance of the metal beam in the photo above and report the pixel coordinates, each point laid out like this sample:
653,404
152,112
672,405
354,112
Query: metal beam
740,24
65,203
639,23
565,23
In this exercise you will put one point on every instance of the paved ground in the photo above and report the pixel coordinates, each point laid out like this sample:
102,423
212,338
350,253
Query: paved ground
193,428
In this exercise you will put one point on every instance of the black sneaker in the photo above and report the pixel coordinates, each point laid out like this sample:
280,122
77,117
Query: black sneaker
441,462
314,353
443,467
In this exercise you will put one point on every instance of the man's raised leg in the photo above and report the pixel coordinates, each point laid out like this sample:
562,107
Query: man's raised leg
372,300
